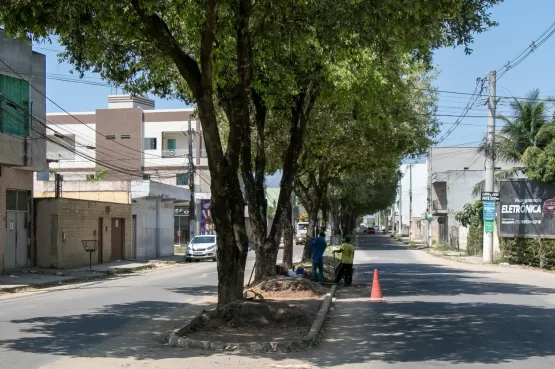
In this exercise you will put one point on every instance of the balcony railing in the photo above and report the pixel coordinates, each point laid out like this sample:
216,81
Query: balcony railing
176,153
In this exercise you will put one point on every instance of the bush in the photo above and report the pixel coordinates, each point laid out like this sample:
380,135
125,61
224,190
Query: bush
529,251
475,240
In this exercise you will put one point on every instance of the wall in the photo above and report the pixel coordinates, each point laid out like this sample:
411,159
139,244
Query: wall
154,228
84,136
108,191
76,220
124,153
30,66
11,179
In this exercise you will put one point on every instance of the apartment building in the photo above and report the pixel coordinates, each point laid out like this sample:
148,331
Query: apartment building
130,140
23,146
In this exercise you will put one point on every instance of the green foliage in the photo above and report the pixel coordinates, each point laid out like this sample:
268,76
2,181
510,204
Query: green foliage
471,217
529,251
475,240
98,176
270,211
527,137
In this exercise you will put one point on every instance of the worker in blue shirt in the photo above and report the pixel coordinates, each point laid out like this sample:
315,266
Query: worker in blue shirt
318,247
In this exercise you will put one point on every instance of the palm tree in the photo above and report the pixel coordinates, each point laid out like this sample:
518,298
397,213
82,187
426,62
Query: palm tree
519,135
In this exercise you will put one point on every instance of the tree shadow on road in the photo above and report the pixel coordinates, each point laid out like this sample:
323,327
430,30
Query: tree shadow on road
119,330
437,280
419,331
196,290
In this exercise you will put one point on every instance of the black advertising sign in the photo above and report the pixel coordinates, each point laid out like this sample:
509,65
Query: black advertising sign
526,209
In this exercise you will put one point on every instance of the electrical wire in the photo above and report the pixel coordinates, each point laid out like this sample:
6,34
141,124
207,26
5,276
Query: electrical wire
534,45
57,105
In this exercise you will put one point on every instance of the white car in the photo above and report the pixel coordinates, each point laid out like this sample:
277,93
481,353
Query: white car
201,248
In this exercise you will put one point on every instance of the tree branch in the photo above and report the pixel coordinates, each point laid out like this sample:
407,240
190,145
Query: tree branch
160,32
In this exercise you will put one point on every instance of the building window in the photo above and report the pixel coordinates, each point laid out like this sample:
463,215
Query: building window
125,137
43,176
14,106
182,179
146,177
110,137
150,143
89,177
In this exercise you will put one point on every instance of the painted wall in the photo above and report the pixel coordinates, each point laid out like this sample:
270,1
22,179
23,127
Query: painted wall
29,153
61,225
154,228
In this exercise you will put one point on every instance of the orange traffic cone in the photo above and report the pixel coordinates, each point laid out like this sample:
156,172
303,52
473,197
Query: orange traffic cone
376,294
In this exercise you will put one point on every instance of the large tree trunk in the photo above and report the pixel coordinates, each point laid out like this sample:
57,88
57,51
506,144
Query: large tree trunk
288,232
227,200
267,245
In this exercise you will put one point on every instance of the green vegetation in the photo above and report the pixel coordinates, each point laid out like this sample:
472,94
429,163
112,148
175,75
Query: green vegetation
471,217
527,137
260,73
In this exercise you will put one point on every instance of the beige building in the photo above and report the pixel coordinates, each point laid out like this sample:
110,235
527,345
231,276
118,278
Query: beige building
63,224
23,145
130,140
152,209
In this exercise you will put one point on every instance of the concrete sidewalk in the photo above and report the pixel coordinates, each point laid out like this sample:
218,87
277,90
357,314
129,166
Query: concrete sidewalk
24,278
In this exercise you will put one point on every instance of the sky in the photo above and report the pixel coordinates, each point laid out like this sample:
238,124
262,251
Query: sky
520,22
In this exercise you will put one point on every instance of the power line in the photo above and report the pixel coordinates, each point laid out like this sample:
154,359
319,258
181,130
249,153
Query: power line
71,115
513,63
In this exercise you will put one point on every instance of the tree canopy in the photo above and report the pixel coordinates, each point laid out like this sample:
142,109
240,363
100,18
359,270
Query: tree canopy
244,58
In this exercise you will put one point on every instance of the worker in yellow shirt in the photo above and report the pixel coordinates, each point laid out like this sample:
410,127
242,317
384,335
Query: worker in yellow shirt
345,269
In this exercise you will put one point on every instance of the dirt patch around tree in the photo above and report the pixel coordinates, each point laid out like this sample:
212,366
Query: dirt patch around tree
278,309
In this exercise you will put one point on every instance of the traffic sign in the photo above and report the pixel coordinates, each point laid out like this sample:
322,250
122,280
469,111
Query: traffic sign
489,211
488,226
490,196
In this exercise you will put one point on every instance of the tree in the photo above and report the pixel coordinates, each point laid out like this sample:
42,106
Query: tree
377,116
209,53
98,176
522,139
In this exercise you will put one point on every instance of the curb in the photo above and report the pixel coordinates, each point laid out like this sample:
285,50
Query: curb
175,339
76,280
126,270
40,286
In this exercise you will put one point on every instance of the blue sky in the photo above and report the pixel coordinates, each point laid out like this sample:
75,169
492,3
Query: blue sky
520,22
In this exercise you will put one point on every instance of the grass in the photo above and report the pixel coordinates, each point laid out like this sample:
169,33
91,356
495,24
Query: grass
179,249
444,247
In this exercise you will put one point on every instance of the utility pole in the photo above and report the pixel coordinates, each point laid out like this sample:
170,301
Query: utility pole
410,202
490,162
401,206
191,184
430,210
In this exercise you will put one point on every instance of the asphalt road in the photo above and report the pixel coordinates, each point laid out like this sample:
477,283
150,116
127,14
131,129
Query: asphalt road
39,328
440,313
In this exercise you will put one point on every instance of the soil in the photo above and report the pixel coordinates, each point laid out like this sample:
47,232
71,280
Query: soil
284,309
280,287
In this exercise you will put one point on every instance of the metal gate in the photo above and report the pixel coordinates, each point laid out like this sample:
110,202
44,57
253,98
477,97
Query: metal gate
16,253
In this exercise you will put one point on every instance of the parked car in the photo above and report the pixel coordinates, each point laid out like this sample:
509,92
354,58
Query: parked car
371,230
549,207
201,248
